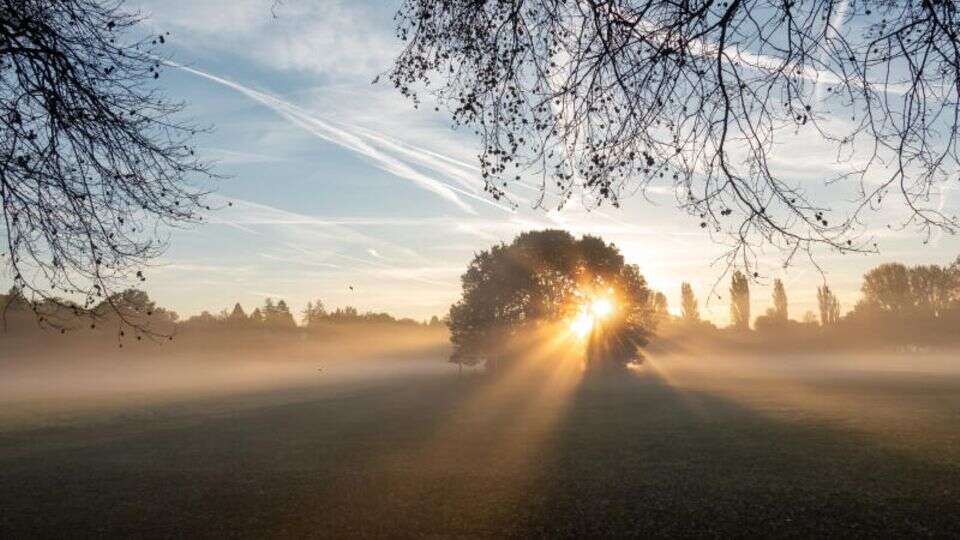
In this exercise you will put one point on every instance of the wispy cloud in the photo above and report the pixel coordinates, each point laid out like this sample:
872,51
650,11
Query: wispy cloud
224,156
329,132
303,37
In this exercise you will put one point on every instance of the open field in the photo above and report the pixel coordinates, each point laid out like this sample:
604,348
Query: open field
790,446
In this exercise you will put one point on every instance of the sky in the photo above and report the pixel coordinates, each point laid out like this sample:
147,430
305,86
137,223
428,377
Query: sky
339,183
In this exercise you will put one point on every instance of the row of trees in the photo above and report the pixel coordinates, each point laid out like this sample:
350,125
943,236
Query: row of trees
133,310
277,315
893,296
516,296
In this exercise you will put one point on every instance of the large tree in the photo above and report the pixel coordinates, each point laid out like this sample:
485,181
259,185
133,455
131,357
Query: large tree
540,280
925,292
608,97
886,289
93,157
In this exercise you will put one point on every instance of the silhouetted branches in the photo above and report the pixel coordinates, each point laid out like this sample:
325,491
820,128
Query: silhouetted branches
92,157
609,97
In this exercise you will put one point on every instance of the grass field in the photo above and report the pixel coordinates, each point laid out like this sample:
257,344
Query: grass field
694,446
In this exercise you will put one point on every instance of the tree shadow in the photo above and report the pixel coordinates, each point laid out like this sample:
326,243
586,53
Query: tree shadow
637,456
610,455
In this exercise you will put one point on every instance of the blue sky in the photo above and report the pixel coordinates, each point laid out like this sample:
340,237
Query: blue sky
336,182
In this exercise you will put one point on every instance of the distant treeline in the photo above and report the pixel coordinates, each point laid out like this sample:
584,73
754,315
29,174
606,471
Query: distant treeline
132,313
899,306
277,315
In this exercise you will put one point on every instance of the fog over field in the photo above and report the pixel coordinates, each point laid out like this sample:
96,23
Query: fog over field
908,391
50,385
289,443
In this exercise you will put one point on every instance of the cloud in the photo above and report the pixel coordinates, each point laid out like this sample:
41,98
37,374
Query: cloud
224,156
354,142
324,38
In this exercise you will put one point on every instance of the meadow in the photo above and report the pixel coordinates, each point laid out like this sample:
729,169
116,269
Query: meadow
692,445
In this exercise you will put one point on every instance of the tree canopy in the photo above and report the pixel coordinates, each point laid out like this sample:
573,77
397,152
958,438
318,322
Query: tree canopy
543,279
926,291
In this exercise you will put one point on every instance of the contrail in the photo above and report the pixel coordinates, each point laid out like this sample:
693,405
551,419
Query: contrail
328,132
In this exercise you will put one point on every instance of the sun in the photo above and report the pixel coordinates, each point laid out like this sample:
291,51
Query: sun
601,308
589,314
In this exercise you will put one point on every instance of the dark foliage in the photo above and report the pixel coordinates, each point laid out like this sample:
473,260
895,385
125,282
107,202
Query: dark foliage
133,316
539,280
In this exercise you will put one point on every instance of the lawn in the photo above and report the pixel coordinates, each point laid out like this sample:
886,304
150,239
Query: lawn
672,448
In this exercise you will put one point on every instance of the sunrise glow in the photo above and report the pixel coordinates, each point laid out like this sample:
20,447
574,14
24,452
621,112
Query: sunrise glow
601,308
589,314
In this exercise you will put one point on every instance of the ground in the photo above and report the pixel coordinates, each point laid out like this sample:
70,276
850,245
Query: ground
667,449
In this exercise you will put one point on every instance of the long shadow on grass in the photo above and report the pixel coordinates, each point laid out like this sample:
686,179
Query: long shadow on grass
467,456
635,456
249,473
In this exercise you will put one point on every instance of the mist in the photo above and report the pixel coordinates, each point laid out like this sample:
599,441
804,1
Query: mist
48,379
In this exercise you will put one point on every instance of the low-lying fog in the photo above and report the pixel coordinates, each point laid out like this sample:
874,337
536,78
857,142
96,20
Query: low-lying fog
43,386
50,382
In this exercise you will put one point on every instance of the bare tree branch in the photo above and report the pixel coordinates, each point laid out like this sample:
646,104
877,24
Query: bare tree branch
604,98
93,160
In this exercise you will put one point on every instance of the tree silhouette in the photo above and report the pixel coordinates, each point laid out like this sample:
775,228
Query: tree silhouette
314,313
132,308
278,316
539,280
688,303
739,301
779,300
934,289
610,96
659,307
776,318
345,314
923,292
237,316
829,306
886,289
285,316
92,157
